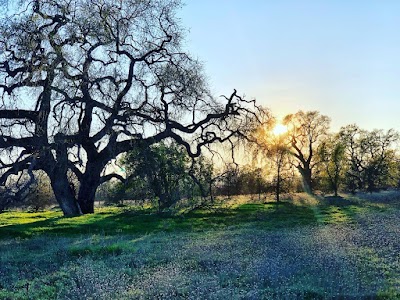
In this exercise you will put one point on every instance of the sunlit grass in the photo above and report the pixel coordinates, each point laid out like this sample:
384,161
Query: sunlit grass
298,209
19,217
334,215
305,247
111,221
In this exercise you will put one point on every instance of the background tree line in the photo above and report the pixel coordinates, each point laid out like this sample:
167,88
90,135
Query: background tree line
306,157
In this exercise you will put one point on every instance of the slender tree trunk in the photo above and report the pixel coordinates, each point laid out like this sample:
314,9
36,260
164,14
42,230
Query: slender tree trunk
211,193
278,177
335,186
334,183
278,186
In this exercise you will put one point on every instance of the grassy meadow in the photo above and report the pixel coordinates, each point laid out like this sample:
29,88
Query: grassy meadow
302,248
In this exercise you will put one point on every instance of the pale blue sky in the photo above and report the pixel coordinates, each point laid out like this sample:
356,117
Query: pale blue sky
341,57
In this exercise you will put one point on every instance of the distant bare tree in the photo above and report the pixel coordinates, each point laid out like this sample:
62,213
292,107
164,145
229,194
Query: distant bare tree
82,81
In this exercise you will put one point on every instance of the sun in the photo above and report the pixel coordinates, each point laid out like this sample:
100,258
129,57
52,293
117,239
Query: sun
279,129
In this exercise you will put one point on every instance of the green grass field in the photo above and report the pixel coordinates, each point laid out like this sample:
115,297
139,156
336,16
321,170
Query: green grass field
303,248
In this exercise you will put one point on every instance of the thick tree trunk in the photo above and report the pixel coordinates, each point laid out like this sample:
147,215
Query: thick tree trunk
165,201
64,193
86,198
65,196
335,189
335,184
87,189
306,176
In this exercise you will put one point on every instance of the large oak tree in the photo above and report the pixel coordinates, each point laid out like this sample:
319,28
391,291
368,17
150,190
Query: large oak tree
82,81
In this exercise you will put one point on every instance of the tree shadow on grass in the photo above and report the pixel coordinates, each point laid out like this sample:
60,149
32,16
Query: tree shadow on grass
98,223
338,201
266,216
338,209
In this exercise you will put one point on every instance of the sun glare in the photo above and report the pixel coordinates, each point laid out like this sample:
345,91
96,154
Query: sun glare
279,129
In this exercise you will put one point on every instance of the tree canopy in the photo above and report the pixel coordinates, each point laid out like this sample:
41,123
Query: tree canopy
84,81
306,130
